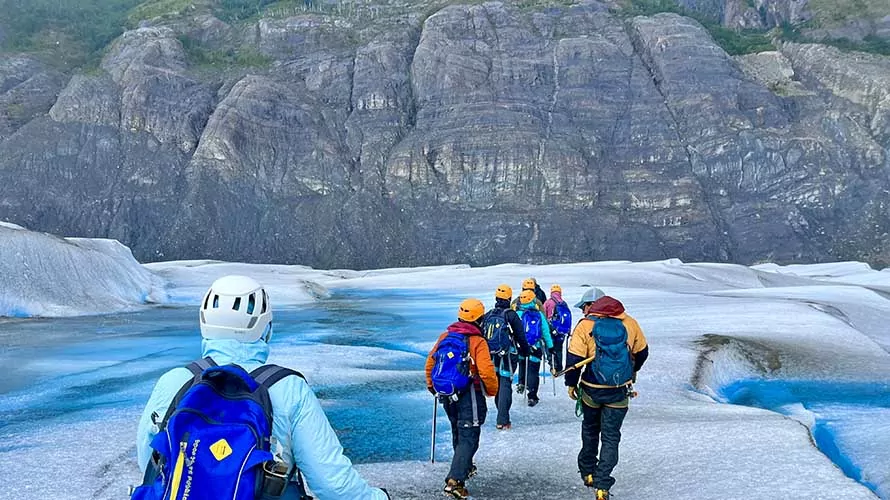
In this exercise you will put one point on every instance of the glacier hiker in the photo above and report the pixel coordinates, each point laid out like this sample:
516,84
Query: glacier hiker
560,317
540,343
460,373
608,348
502,329
532,284
292,448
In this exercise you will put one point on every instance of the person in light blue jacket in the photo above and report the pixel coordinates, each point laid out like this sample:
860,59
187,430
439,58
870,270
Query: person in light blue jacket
540,344
236,325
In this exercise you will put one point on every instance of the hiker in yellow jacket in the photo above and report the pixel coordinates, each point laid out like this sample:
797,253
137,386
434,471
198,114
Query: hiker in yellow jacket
604,383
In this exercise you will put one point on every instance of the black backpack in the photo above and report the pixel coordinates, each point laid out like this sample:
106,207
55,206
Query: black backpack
496,330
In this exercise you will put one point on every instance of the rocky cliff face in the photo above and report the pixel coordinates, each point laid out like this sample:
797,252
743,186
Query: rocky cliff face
751,14
469,133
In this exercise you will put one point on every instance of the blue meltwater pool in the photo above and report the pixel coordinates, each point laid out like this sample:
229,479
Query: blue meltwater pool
849,422
76,370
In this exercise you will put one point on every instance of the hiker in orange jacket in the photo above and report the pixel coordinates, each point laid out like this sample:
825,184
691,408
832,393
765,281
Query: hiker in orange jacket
466,409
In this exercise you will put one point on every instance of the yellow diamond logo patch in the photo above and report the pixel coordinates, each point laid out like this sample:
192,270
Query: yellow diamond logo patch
450,355
221,449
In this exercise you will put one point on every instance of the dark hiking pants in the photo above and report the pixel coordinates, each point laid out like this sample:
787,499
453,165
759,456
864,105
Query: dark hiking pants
600,424
505,365
558,341
466,415
529,375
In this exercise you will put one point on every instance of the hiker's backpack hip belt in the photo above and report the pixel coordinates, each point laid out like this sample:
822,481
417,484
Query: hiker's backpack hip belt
600,386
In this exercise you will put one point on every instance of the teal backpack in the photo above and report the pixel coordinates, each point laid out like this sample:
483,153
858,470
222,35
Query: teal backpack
613,365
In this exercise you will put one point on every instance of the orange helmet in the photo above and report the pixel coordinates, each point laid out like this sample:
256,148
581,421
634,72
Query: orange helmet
470,310
527,296
555,288
504,292
529,284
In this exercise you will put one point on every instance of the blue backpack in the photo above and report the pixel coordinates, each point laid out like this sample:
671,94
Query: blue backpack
613,364
451,371
215,438
562,318
496,331
531,323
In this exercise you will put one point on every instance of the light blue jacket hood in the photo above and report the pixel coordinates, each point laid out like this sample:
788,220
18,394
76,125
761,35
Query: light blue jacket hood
299,426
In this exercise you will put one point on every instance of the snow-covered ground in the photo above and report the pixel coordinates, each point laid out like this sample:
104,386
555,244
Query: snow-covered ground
360,338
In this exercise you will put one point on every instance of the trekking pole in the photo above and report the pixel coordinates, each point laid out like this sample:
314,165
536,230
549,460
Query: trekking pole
553,376
433,437
527,378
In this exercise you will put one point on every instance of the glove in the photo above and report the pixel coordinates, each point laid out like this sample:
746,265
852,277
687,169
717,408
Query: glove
432,391
386,493
573,393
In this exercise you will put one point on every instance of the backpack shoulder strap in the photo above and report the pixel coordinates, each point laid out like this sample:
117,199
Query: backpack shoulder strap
466,340
268,375
197,368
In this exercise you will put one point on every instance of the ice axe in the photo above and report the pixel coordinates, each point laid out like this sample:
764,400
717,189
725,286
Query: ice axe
579,364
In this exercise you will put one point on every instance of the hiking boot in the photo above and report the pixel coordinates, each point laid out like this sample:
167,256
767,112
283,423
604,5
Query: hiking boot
532,402
520,388
473,471
602,494
456,489
588,480
503,427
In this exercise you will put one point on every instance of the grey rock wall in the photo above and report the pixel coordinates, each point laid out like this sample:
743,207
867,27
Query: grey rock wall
471,133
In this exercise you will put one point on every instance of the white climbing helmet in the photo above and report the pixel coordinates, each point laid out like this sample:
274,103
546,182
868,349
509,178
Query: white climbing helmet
236,307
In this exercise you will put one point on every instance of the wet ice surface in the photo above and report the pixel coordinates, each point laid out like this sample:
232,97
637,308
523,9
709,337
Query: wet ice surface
70,377
362,350
850,421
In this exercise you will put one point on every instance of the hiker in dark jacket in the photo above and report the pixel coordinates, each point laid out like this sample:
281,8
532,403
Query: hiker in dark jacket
604,405
467,413
539,293
532,285
505,362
